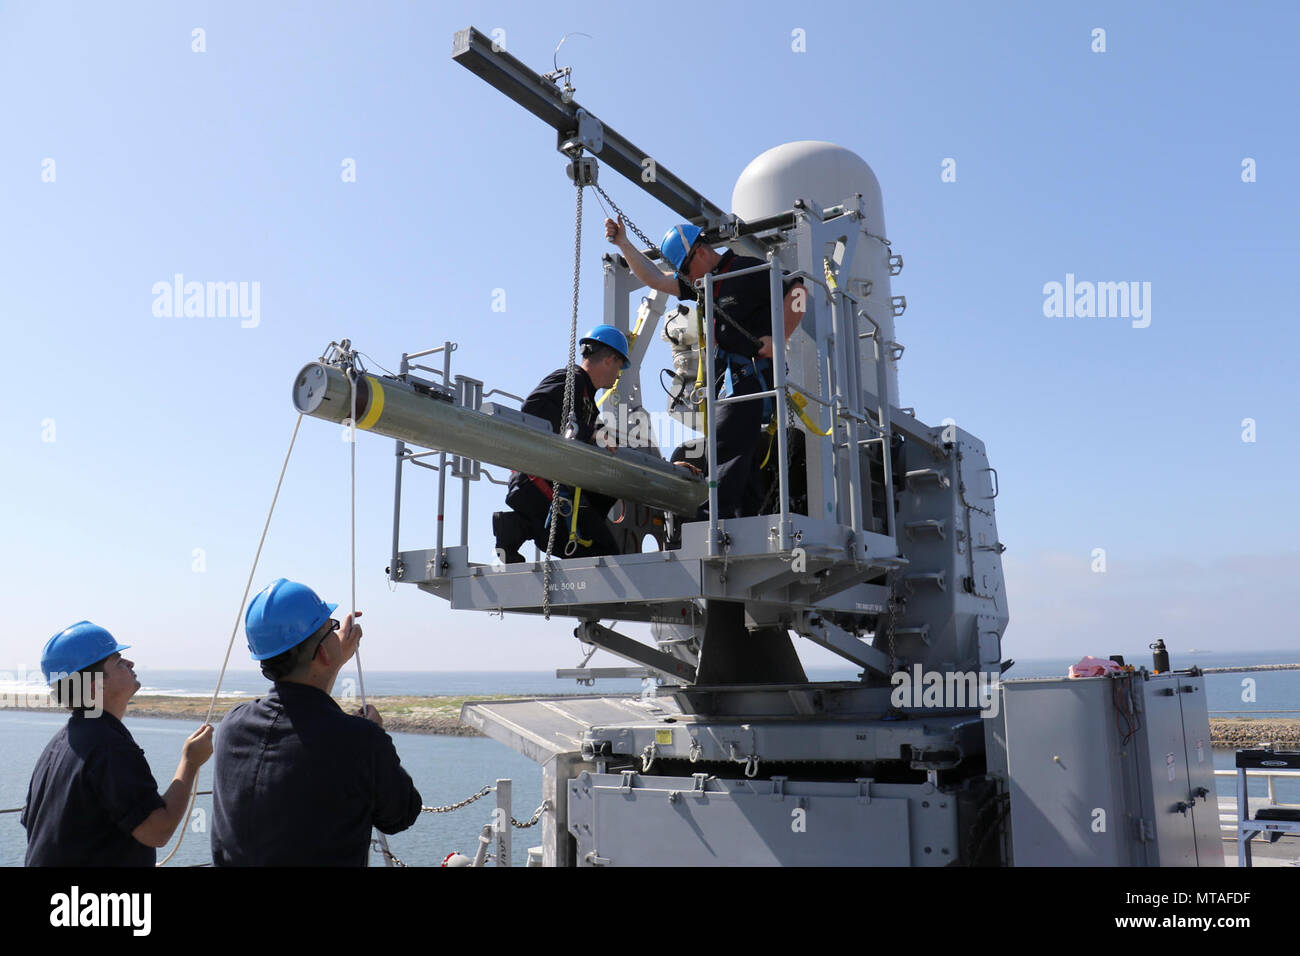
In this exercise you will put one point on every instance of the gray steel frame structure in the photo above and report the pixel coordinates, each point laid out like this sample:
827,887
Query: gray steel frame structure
901,572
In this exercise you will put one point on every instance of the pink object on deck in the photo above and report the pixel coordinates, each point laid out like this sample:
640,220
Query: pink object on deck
1093,667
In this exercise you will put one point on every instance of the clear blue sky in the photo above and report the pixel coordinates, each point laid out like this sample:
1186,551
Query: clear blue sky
225,166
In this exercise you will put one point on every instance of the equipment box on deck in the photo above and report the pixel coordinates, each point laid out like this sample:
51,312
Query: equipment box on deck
1111,771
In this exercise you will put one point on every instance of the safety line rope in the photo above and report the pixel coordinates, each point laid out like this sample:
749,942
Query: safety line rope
235,630
361,681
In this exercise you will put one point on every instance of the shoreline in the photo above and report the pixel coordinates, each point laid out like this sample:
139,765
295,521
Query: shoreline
441,716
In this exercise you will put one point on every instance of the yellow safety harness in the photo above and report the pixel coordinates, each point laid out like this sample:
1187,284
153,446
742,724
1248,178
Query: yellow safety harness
571,548
800,404
798,401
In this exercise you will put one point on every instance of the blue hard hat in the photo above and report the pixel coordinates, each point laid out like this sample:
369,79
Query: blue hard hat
75,648
608,335
678,242
281,616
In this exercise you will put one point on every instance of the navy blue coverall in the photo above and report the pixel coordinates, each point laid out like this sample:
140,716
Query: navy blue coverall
529,496
300,783
90,789
742,314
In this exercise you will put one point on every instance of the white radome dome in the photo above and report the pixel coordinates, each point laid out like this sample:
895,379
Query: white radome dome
825,175
820,172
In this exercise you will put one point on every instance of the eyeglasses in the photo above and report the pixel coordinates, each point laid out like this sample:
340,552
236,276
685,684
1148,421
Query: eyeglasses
330,627
686,263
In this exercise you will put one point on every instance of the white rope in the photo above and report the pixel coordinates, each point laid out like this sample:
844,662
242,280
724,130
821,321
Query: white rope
235,630
361,681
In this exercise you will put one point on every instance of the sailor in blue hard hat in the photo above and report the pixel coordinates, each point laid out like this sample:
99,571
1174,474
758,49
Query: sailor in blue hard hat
298,781
283,617
742,342
679,247
612,339
605,354
93,800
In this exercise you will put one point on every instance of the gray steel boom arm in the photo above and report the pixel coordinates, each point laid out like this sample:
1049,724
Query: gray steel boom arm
472,50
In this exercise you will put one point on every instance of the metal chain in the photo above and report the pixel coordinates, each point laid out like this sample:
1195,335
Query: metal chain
891,578
532,821
456,806
390,858
566,412
961,493
961,488
627,220
699,293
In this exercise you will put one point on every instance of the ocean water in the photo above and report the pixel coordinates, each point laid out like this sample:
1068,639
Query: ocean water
448,769
445,769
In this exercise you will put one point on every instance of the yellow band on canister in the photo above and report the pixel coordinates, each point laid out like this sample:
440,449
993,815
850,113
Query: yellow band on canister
376,406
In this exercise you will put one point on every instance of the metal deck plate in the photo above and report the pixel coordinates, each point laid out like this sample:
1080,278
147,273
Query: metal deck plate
541,728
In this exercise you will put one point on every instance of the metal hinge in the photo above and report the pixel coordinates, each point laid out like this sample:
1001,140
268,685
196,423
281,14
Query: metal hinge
928,474
922,631
927,577
934,525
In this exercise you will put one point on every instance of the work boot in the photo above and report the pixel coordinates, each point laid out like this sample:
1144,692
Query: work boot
510,531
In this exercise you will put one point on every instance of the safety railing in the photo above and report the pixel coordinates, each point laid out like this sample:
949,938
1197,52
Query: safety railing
712,402
467,392
495,838
1270,778
844,399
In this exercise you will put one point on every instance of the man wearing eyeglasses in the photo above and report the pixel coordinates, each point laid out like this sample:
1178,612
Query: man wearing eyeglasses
299,782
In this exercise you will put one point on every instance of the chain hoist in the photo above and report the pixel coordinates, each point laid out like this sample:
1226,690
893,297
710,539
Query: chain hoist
567,426
891,579
627,220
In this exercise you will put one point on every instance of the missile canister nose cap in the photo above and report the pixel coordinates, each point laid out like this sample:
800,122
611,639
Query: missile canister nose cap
309,388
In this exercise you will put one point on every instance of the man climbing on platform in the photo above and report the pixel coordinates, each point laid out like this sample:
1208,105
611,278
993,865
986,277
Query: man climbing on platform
299,782
742,344
604,356
92,800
